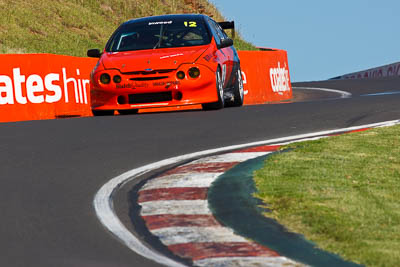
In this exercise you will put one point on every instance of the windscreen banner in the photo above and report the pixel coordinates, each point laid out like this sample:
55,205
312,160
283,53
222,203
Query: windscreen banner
44,86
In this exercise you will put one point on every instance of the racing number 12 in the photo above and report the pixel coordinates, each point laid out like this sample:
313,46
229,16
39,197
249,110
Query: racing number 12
191,24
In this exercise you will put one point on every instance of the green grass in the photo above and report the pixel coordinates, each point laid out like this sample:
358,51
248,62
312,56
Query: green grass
71,27
341,192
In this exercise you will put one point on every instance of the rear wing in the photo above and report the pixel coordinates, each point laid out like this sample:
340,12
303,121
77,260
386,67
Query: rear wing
228,25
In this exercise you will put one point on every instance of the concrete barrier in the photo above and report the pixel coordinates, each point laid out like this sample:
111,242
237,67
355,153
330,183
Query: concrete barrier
47,86
390,70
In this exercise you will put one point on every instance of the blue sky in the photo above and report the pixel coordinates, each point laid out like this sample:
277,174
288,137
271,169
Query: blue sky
323,38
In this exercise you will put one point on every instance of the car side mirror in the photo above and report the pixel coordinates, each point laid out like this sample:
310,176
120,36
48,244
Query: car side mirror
226,43
94,53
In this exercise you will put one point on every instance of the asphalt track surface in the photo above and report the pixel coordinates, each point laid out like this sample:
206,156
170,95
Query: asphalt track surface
51,170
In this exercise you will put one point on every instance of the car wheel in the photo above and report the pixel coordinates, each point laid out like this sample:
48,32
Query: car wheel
103,112
220,91
128,111
238,91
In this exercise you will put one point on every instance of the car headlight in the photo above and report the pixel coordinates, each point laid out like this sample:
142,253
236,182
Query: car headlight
180,75
117,79
105,78
194,72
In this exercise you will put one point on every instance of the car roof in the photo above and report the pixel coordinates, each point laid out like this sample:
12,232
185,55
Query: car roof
166,17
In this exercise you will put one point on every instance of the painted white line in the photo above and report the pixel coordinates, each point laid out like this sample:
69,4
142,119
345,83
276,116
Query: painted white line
231,157
392,123
343,94
103,203
106,214
183,235
175,207
383,93
247,261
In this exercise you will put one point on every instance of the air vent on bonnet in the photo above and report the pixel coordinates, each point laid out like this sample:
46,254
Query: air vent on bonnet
148,72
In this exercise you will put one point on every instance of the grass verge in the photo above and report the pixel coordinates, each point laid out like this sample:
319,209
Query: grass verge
71,27
341,192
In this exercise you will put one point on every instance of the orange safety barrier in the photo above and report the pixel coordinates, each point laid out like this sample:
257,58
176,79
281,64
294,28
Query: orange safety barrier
266,76
46,86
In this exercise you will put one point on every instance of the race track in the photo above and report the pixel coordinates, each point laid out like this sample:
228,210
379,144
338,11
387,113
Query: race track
51,170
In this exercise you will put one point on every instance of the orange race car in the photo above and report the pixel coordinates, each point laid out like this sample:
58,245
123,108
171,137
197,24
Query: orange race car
166,61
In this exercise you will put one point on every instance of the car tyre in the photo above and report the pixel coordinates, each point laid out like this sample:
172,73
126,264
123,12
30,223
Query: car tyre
238,91
220,92
128,111
103,112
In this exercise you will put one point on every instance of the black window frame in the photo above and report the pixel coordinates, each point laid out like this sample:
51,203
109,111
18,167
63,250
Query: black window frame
108,47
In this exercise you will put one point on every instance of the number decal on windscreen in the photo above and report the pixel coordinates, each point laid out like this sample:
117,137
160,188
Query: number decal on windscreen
191,24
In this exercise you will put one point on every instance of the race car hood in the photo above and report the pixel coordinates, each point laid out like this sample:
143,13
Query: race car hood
166,58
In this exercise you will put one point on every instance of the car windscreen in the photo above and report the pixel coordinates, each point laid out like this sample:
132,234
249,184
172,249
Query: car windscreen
159,34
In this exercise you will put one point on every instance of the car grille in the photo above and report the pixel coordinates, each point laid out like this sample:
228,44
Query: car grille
148,78
150,97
